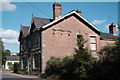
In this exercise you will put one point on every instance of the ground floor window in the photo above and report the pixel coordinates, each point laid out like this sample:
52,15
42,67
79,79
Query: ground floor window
36,61
24,63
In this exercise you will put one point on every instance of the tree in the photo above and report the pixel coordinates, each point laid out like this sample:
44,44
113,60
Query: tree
72,67
1,46
1,50
108,66
5,54
78,66
53,67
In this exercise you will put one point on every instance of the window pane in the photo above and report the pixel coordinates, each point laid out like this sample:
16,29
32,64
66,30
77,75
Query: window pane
93,46
92,40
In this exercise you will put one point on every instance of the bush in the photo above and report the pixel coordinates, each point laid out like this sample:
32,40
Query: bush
108,66
73,67
22,72
53,67
11,66
16,67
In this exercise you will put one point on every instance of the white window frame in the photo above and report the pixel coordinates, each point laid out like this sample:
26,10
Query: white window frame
93,43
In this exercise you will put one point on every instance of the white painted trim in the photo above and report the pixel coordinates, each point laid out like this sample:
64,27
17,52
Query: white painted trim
92,35
7,66
56,20
95,42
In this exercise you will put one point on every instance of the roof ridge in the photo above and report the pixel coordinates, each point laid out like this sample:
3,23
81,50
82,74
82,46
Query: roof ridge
24,26
68,14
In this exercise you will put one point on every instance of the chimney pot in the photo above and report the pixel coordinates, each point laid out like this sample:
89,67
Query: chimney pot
79,11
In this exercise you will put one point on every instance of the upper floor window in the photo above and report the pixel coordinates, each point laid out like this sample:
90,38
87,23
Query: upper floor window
29,44
93,42
23,45
35,40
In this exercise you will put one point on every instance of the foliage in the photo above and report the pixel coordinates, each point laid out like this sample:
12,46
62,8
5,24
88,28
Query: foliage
80,42
82,66
81,63
111,52
18,54
23,72
5,54
71,67
108,66
53,67
1,51
16,67
1,46
11,66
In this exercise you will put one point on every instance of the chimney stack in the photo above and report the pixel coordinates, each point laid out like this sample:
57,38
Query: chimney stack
79,11
112,29
57,10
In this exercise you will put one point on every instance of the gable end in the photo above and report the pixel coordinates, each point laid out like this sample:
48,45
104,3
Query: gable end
77,16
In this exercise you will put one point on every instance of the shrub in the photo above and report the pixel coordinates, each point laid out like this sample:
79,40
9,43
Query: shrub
73,67
108,66
53,67
16,67
11,66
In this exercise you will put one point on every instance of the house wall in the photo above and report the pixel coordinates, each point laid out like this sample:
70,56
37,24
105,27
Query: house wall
60,39
106,42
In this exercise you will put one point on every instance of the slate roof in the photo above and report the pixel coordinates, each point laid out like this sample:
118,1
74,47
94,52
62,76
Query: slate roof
108,36
44,23
39,22
13,58
24,30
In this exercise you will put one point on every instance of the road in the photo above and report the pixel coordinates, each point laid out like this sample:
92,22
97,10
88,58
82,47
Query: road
8,75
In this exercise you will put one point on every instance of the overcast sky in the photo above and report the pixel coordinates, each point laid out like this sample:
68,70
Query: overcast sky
15,13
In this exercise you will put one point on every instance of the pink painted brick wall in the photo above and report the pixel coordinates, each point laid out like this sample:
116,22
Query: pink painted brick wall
60,44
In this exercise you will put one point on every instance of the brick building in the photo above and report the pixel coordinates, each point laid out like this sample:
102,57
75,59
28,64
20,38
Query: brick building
56,37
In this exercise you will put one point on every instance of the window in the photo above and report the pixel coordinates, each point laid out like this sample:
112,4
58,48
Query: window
79,36
37,39
36,61
93,42
29,44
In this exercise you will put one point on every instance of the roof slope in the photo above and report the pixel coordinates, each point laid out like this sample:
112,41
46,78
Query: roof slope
13,58
24,30
108,36
39,22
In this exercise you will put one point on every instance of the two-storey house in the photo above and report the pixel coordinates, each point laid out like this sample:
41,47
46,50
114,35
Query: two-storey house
56,37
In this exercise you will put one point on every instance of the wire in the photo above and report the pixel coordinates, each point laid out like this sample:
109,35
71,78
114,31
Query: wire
37,8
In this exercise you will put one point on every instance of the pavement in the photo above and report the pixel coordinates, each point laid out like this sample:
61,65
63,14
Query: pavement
9,75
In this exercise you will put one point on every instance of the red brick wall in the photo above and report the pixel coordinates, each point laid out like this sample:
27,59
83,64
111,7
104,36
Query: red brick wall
59,44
